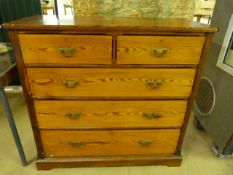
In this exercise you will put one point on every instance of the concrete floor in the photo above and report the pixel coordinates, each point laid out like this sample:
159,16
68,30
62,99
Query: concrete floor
197,157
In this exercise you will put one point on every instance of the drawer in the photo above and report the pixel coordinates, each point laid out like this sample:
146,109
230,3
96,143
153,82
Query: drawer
70,143
110,114
107,82
66,49
159,49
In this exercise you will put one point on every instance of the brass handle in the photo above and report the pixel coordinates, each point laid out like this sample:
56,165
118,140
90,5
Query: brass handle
73,116
67,52
76,144
160,51
70,83
145,142
154,84
151,115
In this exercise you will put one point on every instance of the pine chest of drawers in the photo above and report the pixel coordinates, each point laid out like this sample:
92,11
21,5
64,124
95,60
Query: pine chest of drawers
107,91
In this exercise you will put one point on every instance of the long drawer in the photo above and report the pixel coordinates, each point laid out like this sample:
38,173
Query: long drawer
66,49
110,114
70,143
110,82
159,49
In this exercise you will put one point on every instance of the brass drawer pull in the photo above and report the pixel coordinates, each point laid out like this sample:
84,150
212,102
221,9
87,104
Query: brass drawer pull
145,142
70,83
73,116
67,52
151,115
76,144
154,84
160,51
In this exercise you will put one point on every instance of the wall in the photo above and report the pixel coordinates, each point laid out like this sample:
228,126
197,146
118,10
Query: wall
136,8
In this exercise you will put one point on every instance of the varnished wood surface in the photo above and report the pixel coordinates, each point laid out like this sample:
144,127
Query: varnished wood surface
114,83
90,49
108,82
63,65
100,161
13,35
200,68
109,142
110,114
109,24
139,49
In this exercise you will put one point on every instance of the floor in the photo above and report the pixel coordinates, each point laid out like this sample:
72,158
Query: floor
197,157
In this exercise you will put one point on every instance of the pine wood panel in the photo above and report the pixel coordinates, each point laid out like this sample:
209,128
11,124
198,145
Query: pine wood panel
110,161
110,142
106,82
44,48
125,83
107,24
13,35
139,49
110,114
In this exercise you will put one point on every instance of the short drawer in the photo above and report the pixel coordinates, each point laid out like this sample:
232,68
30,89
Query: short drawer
159,49
106,82
72,143
66,49
110,114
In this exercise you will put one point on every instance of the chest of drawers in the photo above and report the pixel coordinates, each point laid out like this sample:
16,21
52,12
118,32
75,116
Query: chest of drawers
107,91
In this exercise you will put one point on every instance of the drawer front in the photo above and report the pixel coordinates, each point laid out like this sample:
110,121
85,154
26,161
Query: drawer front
71,143
159,49
106,82
110,114
66,49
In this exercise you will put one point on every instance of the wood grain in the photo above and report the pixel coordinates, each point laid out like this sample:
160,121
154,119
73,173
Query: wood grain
139,49
13,35
100,161
109,114
93,24
200,68
38,65
111,82
109,143
103,84
43,48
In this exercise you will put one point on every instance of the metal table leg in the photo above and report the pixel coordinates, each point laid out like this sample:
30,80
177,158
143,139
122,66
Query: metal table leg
11,122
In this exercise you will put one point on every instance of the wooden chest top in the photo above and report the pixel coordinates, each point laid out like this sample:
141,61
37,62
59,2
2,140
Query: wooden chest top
120,24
